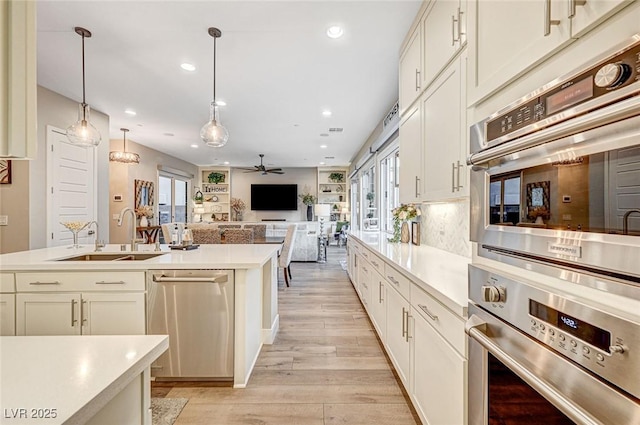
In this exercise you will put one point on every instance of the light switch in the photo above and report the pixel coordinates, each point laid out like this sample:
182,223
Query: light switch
4,220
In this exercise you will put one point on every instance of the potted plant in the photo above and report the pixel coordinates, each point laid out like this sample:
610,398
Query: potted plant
370,198
308,199
216,177
336,177
198,197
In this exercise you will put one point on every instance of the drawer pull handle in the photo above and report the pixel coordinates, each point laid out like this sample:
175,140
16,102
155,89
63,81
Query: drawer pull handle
119,282
83,313
427,312
44,283
73,313
395,282
374,263
404,324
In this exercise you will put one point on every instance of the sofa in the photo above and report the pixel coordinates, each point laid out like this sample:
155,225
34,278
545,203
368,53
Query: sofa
305,241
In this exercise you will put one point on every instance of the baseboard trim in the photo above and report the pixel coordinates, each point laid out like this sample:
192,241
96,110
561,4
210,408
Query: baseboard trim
269,335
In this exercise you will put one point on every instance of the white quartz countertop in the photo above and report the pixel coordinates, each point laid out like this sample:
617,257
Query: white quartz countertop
220,256
440,273
76,375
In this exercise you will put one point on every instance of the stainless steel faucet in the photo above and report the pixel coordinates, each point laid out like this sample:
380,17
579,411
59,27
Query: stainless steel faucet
625,221
134,239
98,244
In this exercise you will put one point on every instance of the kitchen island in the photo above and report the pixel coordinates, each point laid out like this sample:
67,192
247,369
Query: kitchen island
77,380
39,275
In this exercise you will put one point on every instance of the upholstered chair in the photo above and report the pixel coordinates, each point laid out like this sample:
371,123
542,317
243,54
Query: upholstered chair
284,260
205,236
239,236
259,230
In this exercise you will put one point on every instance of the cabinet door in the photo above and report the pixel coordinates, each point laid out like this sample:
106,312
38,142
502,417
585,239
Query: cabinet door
396,339
411,156
113,313
378,309
364,283
584,16
443,35
410,71
438,377
508,37
48,314
444,117
7,314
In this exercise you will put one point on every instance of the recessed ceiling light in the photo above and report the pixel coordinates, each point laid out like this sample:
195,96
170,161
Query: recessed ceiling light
226,163
188,67
130,112
194,146
322,163
323,146
221,102
326,113
335,31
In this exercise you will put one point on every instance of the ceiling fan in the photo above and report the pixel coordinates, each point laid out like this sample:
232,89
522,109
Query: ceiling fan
262,169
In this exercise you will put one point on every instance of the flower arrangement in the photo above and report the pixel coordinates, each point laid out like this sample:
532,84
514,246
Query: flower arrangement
336,177
307,198
216,177
144,211
536,212
238,205
402,213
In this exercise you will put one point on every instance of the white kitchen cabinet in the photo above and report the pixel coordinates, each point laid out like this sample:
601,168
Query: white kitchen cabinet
444,34
585,14
378,310
109,313
445,136
18,85
364,282
411,71
411,171
397,338
438,375
7,314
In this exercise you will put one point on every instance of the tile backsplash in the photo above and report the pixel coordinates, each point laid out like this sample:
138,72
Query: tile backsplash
446,226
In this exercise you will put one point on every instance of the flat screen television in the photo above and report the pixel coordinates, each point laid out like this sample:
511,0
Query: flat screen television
274,197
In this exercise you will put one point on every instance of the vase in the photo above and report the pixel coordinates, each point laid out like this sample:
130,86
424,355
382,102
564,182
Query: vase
309,212
405,235
144,222
539,220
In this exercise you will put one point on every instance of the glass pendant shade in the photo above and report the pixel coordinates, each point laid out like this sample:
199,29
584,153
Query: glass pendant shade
124,156
212,133
82,132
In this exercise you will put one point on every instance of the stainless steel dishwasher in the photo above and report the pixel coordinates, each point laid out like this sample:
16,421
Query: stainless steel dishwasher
196,309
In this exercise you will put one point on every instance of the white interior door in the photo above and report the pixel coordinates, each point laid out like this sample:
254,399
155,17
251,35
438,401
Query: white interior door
71,186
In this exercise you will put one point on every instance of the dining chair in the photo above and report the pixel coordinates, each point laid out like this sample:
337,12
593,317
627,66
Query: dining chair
238,236
259,230
284,261
205,236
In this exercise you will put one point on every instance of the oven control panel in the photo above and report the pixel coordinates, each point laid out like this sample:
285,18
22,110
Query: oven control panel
617,71
598,340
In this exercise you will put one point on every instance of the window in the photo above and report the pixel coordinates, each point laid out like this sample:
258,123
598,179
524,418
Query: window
369,199
389,188
173,196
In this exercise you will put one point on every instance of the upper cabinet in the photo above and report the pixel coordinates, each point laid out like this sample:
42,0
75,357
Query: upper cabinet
411,70
410,169
507,38
18,85
444,30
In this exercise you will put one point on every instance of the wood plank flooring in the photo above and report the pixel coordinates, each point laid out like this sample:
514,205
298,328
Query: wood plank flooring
326,366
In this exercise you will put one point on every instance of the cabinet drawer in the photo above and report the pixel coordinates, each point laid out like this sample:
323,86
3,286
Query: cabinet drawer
397,281
80,281
7,282
375,262
449,325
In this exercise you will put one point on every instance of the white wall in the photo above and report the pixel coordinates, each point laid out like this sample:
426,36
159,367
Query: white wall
305,178
59,111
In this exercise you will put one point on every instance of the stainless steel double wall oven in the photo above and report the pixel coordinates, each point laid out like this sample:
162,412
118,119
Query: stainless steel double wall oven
555,189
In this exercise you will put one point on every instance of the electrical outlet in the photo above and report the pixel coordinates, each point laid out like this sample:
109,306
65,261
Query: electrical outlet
441,229
4,220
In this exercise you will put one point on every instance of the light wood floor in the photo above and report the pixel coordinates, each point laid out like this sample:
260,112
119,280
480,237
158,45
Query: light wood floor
326,366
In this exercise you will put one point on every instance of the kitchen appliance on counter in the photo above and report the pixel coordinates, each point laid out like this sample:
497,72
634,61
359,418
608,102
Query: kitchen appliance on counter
540,357
196,309
555,185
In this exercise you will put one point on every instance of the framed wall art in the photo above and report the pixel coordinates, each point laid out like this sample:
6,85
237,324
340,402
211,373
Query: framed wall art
5,171
415,233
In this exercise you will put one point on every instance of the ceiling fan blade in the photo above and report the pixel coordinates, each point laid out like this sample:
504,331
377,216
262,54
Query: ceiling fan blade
274,169
247,169
275,172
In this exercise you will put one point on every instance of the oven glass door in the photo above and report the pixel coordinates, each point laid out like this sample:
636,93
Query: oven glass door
511,401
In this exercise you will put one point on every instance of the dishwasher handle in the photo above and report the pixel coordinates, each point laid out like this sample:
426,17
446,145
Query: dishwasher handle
206,279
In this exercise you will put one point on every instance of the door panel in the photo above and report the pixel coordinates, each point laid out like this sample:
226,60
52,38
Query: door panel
48,314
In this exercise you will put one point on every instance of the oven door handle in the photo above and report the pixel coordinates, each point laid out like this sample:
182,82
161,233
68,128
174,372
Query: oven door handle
476,327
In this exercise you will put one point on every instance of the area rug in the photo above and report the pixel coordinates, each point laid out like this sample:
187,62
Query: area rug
166,410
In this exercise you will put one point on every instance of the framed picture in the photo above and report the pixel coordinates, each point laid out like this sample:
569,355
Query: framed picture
415,233
5,171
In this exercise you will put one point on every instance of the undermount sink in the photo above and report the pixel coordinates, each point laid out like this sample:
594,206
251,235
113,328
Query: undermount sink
112,257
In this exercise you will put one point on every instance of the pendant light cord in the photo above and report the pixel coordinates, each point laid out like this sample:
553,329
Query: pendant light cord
214,72
84,101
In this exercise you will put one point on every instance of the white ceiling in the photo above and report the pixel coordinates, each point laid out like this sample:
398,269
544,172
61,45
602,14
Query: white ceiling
276,70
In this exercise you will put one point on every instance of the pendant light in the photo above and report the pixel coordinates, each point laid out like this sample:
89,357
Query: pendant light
82,132
124,156
212,133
